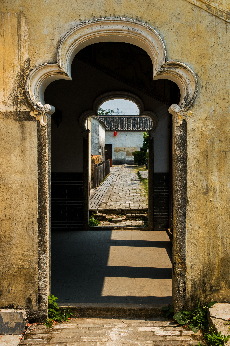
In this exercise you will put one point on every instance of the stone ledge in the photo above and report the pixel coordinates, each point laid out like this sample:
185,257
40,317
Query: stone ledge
219,316
114,310
12,321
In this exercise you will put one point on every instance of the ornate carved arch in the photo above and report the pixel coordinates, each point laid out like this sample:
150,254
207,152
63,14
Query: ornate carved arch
121,95
144,36
108,30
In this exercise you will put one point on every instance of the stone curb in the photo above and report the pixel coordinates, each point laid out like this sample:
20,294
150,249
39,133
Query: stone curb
114,310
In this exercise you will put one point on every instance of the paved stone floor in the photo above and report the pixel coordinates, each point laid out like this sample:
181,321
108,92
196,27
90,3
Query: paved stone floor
111,332
111,267
121,190
115,269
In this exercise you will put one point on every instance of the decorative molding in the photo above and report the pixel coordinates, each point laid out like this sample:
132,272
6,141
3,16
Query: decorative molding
38,80
118,29
147,119
213,7
83,118
184,77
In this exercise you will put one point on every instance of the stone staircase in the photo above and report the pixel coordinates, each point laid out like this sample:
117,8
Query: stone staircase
122,217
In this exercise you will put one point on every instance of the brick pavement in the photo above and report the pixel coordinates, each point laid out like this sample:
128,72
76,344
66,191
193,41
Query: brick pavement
111,332
121,190
120,199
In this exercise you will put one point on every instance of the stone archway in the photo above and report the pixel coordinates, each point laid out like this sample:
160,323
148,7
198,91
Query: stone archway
144,36
93,113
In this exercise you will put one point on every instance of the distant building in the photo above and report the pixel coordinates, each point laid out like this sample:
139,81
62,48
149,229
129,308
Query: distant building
124,135
97,138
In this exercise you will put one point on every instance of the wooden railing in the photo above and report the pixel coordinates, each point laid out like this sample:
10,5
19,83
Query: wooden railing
100,171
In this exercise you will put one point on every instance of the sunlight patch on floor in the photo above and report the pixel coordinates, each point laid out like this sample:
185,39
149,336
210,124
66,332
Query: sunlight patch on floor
130,256
139,235
136,287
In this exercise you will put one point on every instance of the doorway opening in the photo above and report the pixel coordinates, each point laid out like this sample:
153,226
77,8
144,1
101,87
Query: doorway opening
97,70
119,260
98,30
118,167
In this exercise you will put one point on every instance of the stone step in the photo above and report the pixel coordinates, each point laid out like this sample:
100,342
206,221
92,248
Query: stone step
106,310
120,211
116,218
94,331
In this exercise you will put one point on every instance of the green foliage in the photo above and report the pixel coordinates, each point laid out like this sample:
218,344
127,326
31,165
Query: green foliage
197,319
105,111
146,137
93,222
144,182
108,112
139,157
55,313
215,339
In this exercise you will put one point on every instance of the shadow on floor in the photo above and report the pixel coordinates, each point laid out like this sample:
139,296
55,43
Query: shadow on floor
111,267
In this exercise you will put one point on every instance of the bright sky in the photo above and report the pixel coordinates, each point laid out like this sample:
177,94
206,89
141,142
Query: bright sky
125,106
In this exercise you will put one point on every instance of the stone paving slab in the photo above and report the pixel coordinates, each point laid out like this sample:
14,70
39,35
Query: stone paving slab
111,332
122,267
122,189
143,174
10,340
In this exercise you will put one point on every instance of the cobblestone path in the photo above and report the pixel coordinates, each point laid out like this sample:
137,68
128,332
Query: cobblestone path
121,192
111,332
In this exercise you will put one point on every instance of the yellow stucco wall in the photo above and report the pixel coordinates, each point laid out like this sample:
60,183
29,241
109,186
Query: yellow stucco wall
18,173
192,36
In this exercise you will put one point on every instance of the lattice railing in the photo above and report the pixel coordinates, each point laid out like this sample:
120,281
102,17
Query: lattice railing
126,123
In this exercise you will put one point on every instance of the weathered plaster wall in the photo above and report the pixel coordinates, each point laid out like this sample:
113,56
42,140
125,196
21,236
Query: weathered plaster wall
18,172
97,138
18,210
123,144
126,142
192,36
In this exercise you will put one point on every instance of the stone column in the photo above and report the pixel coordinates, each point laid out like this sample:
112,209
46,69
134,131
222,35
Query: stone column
179,190
44,198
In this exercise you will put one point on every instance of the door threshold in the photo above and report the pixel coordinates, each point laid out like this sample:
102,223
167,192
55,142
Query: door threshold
113,310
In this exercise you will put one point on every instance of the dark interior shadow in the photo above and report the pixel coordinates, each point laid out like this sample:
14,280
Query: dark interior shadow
80,266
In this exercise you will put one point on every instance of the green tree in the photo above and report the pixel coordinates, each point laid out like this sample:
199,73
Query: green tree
141,156
109,111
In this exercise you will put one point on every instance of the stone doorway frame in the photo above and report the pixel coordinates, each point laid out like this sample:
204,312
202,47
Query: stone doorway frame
114,29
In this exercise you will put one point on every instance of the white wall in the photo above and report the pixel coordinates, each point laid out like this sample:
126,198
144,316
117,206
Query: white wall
126,142
97,138
123,145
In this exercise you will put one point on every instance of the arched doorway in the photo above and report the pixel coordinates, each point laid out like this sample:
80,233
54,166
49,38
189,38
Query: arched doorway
129,31
117,134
